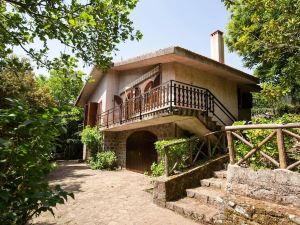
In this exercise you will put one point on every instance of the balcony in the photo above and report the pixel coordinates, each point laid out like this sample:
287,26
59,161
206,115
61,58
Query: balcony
165,100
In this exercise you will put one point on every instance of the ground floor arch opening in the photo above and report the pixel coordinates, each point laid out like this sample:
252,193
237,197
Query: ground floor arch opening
140,151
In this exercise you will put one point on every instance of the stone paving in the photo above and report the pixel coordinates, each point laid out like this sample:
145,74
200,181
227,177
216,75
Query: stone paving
106,197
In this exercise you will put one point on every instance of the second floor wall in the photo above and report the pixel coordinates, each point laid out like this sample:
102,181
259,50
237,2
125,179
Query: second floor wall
137,81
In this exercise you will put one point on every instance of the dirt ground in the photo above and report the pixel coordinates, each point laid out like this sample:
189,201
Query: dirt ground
106,197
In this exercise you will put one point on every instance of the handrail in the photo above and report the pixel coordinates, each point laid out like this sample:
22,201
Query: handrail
192,159
279,132
262,126
223,108
167,96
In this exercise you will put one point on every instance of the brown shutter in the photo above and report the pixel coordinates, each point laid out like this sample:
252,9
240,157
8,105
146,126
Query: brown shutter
99,112
92,113
85,115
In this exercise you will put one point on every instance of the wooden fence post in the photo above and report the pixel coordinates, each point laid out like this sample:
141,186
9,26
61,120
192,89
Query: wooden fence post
166,161
281,149
231,147
208,147
190,152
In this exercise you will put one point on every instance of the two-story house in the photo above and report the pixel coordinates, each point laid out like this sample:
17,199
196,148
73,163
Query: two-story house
165,94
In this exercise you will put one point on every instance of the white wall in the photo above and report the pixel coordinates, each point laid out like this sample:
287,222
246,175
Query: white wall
224,89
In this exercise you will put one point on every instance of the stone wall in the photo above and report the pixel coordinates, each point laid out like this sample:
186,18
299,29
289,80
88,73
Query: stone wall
246,211
116,141
281,186
174,187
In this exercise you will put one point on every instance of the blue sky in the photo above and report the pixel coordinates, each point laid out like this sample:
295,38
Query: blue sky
164,23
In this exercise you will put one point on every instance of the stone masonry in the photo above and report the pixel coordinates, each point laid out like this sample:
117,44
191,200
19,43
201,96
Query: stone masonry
116,141
280,186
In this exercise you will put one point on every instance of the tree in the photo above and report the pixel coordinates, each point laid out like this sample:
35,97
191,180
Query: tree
64,84
91,30
271,96
266,34
29,129
17,81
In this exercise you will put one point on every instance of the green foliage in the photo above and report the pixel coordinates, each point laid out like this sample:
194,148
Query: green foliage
92,138
288,109
29,131
90,30
27,140
266,34
270,96
64,85
255,136
17,80
177,154
272,100
103,160
158,169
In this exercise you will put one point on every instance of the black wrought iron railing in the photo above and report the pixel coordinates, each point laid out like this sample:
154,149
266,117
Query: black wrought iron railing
167,97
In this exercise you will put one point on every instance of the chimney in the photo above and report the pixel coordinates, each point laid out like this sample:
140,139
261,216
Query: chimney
217,46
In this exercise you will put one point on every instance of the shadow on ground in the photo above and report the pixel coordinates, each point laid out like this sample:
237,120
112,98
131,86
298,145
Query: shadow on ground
67,175
44,223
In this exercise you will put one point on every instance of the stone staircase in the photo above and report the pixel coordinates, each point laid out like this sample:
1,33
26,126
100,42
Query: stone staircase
202,203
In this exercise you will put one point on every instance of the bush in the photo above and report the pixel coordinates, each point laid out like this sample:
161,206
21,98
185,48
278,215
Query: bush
158,169
177,153
288,109
92,138
27,141
255,136
103,160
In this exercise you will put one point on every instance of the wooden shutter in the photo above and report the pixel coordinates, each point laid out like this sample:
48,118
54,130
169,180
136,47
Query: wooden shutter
99,112
92,113
85,115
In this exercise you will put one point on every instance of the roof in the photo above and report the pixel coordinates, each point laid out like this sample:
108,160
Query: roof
167,55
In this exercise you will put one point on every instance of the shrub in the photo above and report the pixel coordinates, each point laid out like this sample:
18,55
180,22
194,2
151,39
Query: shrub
104,160
255,136
177,154
92,138
27,140
158,169
288,109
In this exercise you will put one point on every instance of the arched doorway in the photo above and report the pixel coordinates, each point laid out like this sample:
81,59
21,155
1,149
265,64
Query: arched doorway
140,151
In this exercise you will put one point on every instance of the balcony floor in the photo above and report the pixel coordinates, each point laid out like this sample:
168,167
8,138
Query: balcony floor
189,123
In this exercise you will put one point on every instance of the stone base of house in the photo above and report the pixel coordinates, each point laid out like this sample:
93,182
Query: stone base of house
280,185
243,210
116,140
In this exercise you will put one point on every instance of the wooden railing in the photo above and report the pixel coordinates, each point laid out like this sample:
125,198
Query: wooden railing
197,149
276,130
167,97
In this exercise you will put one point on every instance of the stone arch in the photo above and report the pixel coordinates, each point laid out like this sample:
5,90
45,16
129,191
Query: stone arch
140,151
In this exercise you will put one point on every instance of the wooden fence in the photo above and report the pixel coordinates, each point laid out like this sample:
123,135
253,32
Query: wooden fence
197,148
277,130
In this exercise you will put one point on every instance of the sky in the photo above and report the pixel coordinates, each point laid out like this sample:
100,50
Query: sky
165,23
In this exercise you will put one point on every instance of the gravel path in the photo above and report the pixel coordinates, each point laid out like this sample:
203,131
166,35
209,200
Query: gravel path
106,197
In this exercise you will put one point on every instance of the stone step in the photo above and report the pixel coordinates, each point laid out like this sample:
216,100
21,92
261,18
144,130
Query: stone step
220,174
214,183
206,195
194,210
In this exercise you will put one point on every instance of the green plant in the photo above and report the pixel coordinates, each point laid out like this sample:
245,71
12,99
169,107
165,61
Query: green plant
78,25
103,160
92,138
263,32
177,154
158,169
27,141
288,109
255,136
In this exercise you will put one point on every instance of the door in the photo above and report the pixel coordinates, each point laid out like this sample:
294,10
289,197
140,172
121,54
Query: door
140,151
